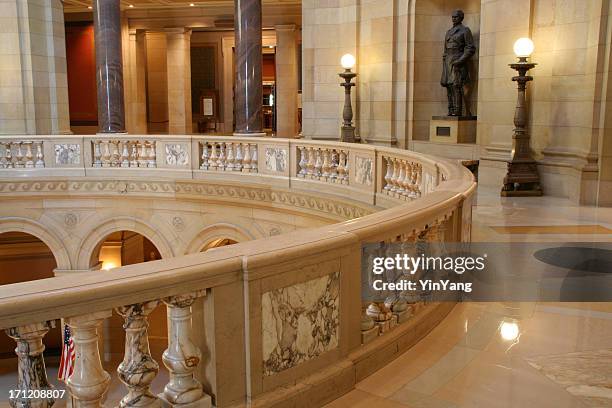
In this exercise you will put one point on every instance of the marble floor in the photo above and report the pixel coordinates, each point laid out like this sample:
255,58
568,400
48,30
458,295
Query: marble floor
512,355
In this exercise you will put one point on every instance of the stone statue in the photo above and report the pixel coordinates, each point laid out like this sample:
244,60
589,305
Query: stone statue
458,49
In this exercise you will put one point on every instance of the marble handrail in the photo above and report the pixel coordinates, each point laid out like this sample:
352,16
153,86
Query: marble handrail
419,198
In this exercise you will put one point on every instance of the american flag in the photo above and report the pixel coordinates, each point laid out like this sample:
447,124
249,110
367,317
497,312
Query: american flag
68,355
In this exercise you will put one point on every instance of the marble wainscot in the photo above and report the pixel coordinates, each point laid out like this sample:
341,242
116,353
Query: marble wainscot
300,322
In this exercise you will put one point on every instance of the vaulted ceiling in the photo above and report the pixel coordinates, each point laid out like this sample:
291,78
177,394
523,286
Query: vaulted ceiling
72,6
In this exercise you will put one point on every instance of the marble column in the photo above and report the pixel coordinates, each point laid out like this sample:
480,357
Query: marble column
286,81
31,364
178,41
249,87
109,66
88,382
136,103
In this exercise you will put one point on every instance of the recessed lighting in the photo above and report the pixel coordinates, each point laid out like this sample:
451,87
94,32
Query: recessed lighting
89,7
131,6
191,4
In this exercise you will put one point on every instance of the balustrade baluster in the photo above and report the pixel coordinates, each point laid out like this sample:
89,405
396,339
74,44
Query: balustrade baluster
152,157
405,182
32,374
40,162
302,163
222,161
318,164
28,163
106,155
3,162
394,175
205,155
19,157
341,167
254,159
247,158
182,356
326,165
333,169
213,163
138,368
88,382
311,162
238,162
400,178
115,157
125,162
229,148
97,154
417,180
133,154
142,154
388,174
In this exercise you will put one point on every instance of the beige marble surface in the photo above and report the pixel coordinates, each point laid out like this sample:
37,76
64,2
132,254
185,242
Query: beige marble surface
560,358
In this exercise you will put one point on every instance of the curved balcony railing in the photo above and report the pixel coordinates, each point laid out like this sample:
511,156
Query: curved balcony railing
231,326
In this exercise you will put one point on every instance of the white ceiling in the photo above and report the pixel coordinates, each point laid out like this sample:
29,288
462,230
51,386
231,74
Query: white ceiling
72,6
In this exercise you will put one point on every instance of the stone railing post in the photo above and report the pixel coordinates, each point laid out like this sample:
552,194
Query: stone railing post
88,382
138,368
182,356
31,365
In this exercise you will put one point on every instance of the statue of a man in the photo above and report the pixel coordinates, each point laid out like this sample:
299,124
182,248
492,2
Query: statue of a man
458,49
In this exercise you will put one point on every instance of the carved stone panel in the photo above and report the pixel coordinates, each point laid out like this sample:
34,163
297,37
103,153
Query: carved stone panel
276,159
67,153
176,154
363,170
300,322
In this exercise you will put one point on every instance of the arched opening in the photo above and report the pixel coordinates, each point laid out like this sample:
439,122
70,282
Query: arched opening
217,243
23,258
122,248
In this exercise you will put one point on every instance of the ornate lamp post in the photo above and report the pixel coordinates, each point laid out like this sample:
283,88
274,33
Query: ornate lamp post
348,130
522,178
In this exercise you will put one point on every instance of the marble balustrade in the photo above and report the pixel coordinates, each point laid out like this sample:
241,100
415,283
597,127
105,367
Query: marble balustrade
89,381
24,154
393,173
223,306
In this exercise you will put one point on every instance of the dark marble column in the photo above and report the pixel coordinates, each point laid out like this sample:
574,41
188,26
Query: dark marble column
109,66
249,93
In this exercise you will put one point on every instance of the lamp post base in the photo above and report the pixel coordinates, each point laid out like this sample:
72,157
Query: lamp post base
522,180
347,134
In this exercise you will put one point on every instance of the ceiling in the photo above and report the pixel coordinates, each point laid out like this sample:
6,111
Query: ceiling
74,6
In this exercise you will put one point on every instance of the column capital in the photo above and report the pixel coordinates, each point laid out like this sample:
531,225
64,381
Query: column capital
285,27
177,30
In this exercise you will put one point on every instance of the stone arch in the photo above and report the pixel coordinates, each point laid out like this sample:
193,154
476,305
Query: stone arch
97,235
49,238
218,231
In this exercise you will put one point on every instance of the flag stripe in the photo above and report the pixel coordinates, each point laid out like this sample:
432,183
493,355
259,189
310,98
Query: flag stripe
68,356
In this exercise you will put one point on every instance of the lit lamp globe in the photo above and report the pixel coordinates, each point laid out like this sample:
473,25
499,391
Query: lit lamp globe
347,61
523,48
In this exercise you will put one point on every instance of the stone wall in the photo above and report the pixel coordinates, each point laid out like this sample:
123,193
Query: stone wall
566,99
34,86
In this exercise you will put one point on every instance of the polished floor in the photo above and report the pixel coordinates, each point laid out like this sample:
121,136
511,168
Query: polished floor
513,355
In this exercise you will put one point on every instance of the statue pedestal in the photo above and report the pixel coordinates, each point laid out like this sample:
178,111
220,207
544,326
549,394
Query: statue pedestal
452,129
